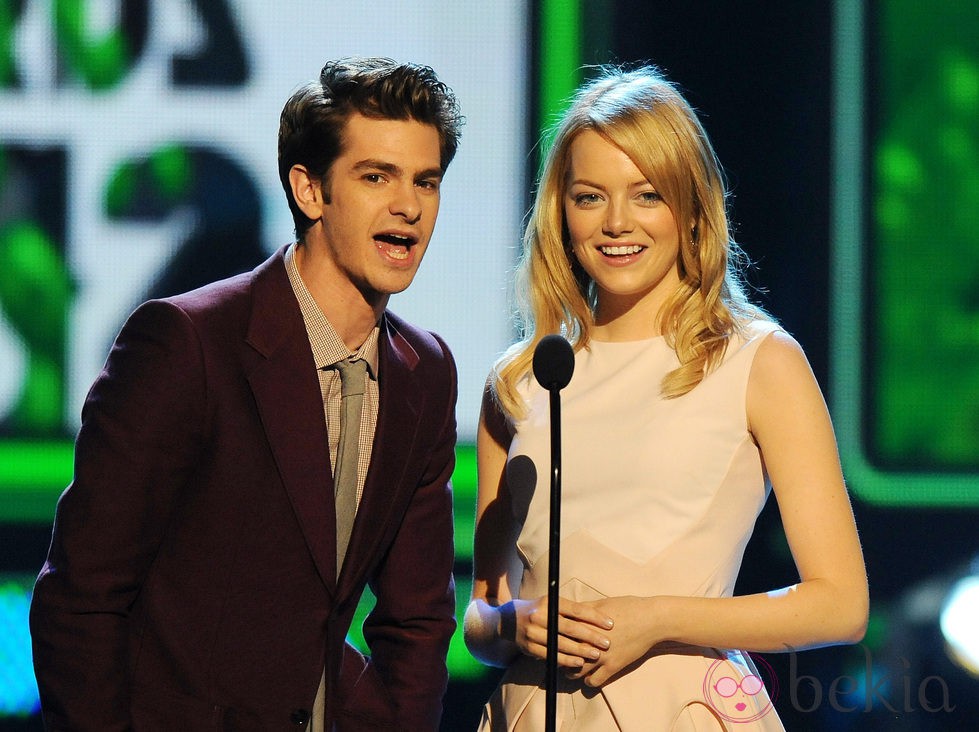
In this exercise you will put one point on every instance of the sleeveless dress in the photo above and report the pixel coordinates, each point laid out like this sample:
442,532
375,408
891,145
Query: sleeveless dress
659,497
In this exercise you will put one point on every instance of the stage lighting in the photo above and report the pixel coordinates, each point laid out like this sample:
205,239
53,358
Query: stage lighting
958,621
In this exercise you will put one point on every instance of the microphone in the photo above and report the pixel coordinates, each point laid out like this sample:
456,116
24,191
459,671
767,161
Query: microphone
553,366
553,362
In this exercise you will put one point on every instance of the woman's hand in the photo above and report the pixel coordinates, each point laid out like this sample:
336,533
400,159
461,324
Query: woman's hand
633,634
583,630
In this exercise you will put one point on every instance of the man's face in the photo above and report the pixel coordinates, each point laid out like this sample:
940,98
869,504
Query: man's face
383,193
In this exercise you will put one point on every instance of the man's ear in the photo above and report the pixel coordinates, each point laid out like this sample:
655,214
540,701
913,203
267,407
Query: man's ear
308,192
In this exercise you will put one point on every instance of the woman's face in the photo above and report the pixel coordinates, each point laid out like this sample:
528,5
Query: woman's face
622,232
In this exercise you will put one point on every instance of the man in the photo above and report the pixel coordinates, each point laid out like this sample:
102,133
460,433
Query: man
200,574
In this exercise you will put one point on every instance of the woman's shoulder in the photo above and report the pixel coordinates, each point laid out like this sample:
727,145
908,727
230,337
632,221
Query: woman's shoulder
748,336
758,328
767,352
779,361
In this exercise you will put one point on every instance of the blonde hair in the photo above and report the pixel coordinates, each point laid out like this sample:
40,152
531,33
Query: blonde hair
642,113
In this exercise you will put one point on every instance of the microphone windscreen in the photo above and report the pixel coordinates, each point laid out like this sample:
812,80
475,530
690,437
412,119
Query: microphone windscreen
553,362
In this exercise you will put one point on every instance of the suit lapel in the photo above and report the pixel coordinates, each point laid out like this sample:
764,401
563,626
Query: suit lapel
386,488
282,375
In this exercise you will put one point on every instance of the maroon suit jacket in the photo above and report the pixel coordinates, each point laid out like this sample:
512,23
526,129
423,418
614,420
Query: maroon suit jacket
190,583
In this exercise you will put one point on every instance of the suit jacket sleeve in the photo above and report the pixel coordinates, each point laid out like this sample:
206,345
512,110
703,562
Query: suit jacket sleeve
410,627
141,430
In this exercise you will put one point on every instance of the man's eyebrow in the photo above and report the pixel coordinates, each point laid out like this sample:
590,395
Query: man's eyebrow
430,173
381,165
395,170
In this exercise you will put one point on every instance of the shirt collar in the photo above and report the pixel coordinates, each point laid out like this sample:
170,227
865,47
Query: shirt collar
328,347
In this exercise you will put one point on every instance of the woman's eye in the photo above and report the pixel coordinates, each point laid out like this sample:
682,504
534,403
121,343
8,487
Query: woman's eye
585,199
650,197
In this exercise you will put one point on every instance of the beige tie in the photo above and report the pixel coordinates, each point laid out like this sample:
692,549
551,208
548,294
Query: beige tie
348,452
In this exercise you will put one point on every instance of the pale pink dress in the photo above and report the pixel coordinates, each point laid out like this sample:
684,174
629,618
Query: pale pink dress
659,498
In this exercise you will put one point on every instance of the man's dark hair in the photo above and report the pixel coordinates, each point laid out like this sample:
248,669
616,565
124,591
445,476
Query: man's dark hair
313,119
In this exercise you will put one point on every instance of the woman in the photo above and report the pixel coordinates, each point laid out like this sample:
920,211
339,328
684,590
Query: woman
686,403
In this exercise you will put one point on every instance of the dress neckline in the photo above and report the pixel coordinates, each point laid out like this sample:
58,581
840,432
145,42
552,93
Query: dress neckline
623,344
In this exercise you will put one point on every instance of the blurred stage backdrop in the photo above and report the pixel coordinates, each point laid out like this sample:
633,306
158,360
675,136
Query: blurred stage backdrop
137,159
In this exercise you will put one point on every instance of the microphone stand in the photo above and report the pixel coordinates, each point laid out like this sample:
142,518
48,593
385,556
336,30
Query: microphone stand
553,367
553,567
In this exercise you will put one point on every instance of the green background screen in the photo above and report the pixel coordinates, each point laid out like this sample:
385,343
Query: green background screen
906,252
